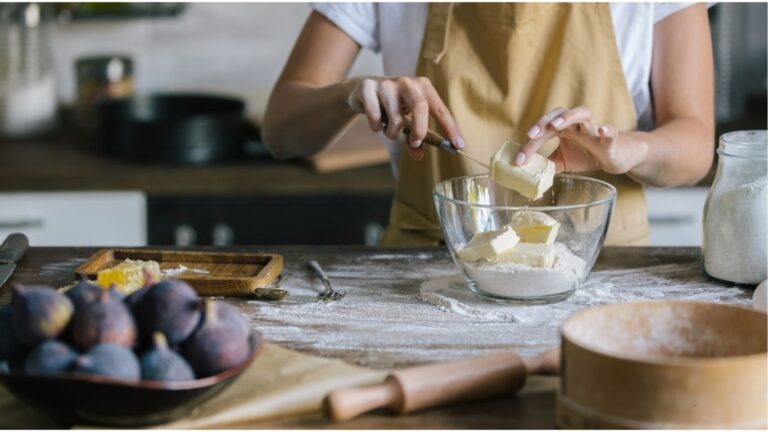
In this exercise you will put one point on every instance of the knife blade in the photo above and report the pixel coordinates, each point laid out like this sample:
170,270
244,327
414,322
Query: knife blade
13,248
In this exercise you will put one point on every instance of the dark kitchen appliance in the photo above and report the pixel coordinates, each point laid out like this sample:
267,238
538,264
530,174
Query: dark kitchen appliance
188,129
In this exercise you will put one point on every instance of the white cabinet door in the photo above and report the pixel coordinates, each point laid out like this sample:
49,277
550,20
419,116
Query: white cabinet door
675,215
76,218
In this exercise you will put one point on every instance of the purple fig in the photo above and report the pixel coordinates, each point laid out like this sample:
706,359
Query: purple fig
39,313
115,294
132,299
83,293
109,360
51,357
161,363
11,347
104,321
216,345
234,318
171,307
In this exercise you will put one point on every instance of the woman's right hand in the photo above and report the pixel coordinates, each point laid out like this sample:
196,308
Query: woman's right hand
404,100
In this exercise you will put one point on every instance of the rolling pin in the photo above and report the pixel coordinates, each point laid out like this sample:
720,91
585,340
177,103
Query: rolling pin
415,388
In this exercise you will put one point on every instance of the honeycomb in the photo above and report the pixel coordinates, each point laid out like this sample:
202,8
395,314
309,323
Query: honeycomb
129,275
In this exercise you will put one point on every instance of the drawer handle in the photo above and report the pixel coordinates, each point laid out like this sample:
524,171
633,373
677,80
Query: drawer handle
21,224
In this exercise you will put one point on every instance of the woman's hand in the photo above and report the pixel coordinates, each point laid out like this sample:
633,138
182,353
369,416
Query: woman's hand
405,100
584,146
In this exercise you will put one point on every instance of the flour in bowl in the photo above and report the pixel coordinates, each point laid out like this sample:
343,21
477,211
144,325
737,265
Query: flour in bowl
505,279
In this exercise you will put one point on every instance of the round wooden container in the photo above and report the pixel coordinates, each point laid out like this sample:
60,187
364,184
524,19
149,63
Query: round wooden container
664,364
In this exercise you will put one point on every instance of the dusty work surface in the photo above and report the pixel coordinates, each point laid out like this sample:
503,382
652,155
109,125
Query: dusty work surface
382,322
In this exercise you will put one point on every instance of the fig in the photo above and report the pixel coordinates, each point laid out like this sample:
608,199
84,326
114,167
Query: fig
161,363
133,298
83,293
216,345
51,357
11,347
106,320
109,360
39,313
171,307
115,294
233,317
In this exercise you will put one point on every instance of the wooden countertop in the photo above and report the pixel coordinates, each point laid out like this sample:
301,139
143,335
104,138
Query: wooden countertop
59,165
382,322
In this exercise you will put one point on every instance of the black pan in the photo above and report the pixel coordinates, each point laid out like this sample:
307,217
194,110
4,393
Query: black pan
173,128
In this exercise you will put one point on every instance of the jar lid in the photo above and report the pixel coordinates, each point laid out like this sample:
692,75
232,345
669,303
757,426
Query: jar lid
750,144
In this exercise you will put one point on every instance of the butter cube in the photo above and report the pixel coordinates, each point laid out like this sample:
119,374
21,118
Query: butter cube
489,244
530,180
532,254
535,227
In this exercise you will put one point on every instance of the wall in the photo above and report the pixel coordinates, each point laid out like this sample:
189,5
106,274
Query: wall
231,47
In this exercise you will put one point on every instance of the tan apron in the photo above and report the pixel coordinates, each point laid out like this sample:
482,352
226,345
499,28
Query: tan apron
499,68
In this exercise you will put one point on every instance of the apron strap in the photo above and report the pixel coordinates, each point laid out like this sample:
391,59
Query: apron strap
436,33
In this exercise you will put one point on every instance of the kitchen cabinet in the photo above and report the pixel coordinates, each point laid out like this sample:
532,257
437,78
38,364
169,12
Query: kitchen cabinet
268,220
75,218
253,201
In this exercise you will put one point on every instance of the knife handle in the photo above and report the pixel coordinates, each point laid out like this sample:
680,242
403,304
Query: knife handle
433,138
13,248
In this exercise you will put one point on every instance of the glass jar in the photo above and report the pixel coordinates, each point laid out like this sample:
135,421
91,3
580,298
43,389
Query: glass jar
100,79
735,213
27,85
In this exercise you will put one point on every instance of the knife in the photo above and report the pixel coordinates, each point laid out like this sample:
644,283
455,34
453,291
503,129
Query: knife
11,251
436,140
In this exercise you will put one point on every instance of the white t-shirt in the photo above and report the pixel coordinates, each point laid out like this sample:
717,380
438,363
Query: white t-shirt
396,29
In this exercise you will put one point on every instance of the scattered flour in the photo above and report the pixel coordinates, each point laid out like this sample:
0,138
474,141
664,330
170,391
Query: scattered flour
735,234
403,313
451,294
513,280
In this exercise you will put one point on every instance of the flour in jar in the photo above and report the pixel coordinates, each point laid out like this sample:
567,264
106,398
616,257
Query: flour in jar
735,234
520,280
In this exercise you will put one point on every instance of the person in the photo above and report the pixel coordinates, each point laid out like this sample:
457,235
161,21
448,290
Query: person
626,88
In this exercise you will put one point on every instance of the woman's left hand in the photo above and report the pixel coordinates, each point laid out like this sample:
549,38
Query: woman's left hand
584,146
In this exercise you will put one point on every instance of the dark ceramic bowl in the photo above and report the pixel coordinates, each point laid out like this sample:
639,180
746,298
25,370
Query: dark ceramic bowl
73,399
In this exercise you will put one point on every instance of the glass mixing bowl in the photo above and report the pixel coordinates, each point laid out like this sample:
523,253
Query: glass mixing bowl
474,204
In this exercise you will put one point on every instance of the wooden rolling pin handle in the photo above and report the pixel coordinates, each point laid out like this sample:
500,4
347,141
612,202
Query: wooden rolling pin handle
431,385
345,404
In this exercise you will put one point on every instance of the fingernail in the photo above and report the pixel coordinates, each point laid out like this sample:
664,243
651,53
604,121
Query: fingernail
459,142
602,131
558,121
416,143
520,158
534,132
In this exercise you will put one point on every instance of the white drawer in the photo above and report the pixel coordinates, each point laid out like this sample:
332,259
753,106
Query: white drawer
676,215
76,218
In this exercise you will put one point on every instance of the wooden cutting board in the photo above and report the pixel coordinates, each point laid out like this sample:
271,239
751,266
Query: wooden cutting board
228,274
355,147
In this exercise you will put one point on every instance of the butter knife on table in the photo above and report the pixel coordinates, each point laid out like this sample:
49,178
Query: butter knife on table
13,248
